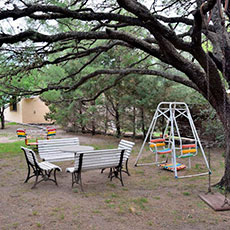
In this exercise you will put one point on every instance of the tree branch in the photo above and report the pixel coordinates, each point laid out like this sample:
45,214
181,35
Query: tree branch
121,72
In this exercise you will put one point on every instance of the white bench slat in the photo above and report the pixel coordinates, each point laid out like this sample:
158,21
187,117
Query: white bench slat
50,150
128,145
48,166
97,159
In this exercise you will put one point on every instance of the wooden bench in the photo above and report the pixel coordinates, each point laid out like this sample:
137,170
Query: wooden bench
97,159
128,146
43,169
50,150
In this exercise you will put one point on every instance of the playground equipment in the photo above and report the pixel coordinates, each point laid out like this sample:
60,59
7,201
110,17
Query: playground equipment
170,141
21,133
49,132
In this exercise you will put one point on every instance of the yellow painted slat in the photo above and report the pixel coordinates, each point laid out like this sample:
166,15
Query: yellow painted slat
21,133
157,145
53,132
189,151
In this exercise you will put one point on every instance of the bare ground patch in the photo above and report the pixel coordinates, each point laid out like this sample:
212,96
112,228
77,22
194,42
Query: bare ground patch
150,199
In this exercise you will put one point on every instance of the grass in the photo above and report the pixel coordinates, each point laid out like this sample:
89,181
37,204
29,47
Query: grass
108,146
114,195
141,202
111,206
111,185
186,193
12,123
141,172
123,205
222,164
12,149
4,135
108,201
96,211
34,213
62,216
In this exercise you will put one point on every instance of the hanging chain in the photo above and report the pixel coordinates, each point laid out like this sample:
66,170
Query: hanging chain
209,163
206,22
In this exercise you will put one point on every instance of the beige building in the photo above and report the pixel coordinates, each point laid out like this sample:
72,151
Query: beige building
29,110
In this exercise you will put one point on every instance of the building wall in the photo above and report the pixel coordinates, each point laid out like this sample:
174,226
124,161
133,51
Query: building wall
15,116
30,110
34,110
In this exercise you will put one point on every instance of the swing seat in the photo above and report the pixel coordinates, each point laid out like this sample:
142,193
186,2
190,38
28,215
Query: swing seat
164,151
189,146
21,133
189,150
170,167
157,140
185,155
156,145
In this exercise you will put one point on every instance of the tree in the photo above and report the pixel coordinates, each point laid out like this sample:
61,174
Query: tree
4,100
150,32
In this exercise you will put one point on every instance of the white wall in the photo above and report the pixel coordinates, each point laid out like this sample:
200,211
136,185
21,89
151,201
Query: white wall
29,110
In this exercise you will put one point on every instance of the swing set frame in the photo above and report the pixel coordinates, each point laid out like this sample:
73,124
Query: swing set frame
171,111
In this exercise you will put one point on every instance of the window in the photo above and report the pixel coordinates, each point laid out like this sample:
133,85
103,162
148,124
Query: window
13,103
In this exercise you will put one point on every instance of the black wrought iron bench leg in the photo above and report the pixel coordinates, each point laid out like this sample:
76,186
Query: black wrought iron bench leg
126,168
76,179
36,181
121,179
117,172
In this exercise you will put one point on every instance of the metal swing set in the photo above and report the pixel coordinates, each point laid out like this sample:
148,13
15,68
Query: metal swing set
171,142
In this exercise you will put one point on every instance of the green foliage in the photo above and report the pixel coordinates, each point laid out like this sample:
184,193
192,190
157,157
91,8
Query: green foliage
210,126
126,107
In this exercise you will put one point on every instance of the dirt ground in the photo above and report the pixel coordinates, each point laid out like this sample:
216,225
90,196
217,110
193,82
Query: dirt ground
150,199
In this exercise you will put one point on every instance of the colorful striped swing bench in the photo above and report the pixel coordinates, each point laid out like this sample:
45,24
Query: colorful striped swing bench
155,143
170,167
21,133
50,132
189,150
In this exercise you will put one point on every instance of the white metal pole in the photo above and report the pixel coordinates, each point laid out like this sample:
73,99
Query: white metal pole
198,140
173,140
150,128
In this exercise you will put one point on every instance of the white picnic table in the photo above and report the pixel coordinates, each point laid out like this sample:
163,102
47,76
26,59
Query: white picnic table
77,148
68,152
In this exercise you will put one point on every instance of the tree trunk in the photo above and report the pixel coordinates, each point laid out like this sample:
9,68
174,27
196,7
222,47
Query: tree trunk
106,119
225,180
134,122
2,118
93,119
82,123
143,122
117,121
223,111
